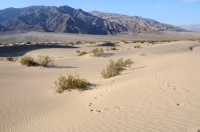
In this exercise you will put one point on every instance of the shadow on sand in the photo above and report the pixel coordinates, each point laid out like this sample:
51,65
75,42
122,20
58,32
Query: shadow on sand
23,49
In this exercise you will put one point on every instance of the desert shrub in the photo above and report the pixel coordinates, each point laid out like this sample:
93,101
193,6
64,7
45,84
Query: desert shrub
10,58
78,51
71,82
82,53
41,60
28,60
124,41
28,42
0,43
113,48
97,51
91,42
44,60
78,42
115,68
137,46
1,59
191,39
142,41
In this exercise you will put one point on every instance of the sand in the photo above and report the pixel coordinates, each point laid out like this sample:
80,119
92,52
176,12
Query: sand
159,93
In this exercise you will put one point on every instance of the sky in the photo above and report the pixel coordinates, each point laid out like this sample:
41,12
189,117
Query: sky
175,12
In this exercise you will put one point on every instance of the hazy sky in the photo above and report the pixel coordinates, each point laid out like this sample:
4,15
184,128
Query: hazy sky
176,12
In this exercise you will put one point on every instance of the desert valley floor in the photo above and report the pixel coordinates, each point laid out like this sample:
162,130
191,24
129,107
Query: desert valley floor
159,93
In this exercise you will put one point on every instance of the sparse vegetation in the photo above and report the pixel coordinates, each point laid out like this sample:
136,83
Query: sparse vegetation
44,60
113,48
71,82
78,51
28,61
124,41
39,61
97,51
137,46
10,58
82,53
115,68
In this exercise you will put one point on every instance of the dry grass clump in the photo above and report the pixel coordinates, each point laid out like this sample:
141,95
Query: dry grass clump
78,51
115,68
82,53
124,41
97,51
137,46
113,48
41,60
10,58
71,82
28,60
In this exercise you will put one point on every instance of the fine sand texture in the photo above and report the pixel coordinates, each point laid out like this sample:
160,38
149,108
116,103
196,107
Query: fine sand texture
159,93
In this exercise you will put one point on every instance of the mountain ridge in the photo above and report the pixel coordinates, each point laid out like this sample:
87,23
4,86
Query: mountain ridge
192,27
69,20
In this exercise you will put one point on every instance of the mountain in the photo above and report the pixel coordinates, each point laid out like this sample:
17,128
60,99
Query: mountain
194,28
135,23
69,20
3,29
62,19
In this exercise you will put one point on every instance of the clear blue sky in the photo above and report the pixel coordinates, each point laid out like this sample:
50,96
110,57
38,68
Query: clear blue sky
176,12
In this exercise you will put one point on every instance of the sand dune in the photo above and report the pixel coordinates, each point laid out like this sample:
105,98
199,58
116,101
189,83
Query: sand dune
160,92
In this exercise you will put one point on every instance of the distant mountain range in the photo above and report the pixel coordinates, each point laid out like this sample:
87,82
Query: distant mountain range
194,27
69,20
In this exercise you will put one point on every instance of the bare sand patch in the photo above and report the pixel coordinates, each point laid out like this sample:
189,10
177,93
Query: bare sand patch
160,92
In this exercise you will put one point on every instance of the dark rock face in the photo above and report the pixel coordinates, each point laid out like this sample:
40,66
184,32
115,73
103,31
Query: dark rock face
135,23
69,20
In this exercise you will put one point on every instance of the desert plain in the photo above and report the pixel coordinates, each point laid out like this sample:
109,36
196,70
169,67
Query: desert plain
159,93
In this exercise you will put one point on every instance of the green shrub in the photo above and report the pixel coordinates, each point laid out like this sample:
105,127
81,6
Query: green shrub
82,53
44,60
71,82
115,68
97,51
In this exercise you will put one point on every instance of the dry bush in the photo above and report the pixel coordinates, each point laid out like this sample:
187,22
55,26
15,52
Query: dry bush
137,46
97,51
10,58
115,68
78,42
78,51
28,60
41,60
124,41
82,53
29,42
113,48
71,82
44,60
1,59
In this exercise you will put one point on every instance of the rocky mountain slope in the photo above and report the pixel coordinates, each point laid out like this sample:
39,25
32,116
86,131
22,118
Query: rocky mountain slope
3,29
63,19
135,23
69,20
194,28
